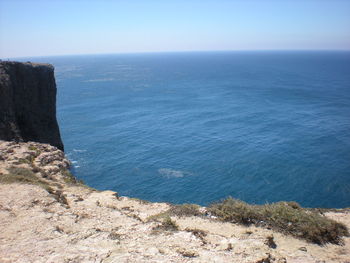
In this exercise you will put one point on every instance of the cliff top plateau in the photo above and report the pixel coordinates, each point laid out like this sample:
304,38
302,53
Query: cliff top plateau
46,215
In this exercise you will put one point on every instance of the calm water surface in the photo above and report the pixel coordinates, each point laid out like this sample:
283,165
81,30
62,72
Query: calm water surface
197,127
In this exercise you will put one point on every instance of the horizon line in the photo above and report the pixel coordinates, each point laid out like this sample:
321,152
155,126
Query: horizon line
179,51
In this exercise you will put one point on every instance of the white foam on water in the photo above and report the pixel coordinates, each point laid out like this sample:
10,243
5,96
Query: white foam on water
167,172
79,151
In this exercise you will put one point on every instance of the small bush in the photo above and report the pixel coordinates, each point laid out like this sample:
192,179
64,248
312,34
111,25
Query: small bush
169,224
236,211
285,217
114,236
32,148
197,232
166,225
29,159
177,210
185,210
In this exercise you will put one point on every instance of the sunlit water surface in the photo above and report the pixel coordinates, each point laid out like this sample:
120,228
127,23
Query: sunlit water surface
198,127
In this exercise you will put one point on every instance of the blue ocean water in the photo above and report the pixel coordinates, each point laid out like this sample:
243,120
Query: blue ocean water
198,127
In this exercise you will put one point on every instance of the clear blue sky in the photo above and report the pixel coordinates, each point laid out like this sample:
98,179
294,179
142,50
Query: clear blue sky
58,27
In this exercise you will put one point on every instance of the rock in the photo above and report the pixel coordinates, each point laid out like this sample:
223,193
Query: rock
270,242
28,103
152,251
303,249
225,245
187,253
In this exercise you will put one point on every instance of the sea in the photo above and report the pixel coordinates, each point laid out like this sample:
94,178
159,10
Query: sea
197,127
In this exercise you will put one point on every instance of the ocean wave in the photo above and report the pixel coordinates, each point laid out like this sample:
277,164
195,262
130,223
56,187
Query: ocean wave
167,172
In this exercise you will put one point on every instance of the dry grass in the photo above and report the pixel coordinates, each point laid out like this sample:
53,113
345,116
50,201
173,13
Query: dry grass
167,225
69,178
185,210
24,176
286,217
177,210
141,201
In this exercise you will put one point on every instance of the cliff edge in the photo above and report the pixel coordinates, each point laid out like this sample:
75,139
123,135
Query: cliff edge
28,103
46,215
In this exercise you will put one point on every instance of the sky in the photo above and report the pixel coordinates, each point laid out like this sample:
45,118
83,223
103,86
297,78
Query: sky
60,27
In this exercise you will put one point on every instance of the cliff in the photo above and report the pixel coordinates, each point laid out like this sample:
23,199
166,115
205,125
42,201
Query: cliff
46,215
28,103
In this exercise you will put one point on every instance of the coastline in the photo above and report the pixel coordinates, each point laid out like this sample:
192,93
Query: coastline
46,213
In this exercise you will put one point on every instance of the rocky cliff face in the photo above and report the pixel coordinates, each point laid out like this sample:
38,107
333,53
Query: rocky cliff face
28,103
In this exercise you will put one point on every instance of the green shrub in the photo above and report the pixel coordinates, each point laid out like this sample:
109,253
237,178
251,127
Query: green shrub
285,217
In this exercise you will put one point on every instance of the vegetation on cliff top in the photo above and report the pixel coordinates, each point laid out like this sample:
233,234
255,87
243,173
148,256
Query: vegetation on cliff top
285,217
22,175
